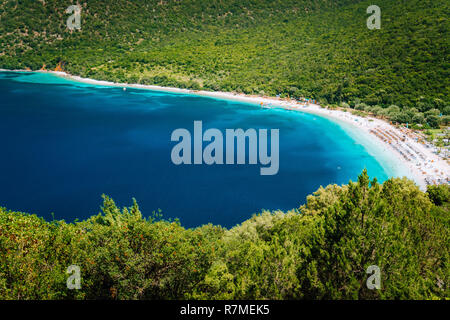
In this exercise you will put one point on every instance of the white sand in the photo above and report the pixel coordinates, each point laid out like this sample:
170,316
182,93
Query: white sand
421,163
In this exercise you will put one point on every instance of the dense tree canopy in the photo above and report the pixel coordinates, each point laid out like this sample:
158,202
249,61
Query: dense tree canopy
320,250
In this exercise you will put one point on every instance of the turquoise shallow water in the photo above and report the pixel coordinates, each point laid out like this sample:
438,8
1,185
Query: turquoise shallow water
65,143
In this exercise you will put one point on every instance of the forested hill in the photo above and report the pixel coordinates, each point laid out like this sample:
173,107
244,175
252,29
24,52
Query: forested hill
317,49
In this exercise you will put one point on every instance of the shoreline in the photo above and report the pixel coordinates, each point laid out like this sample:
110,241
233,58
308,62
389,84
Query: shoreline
395,149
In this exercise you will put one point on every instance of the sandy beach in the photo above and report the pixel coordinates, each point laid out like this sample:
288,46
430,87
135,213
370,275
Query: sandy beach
399,150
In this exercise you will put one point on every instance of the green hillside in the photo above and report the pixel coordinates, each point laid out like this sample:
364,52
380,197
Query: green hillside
321,250
315,49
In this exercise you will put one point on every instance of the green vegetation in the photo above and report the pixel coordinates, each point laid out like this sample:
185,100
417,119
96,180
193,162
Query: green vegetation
292,48
437,136
321,250
297,48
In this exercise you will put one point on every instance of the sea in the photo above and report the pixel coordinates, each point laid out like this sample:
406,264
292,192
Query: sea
64,143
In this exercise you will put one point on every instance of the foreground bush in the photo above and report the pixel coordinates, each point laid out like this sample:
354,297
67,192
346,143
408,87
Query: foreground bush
321,250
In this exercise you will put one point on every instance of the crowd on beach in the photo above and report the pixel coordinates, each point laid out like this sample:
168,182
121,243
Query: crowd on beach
418,157
402,142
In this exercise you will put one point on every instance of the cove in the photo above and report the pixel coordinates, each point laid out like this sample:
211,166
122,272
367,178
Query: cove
64,143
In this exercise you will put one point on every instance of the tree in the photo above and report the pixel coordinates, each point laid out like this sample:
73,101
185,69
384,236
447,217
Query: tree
433,121
439,194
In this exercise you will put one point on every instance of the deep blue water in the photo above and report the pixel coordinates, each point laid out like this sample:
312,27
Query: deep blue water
64,143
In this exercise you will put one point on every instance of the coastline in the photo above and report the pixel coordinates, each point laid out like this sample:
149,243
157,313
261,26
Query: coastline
396,151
